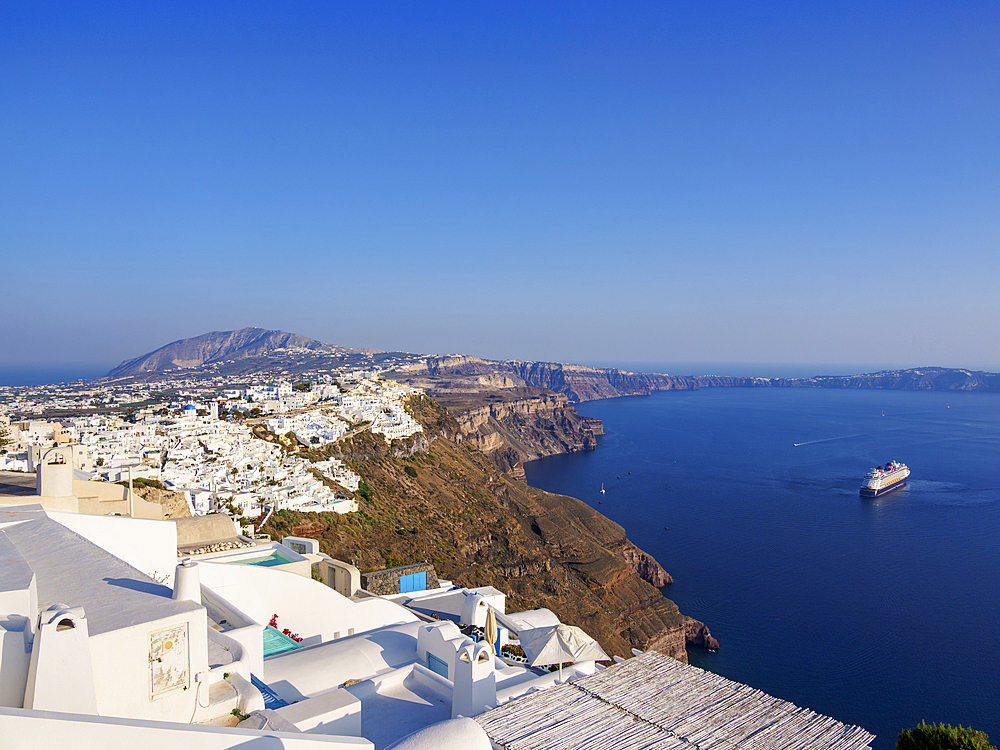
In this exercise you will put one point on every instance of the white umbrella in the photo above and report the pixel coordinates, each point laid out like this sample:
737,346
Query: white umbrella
490,630
559,643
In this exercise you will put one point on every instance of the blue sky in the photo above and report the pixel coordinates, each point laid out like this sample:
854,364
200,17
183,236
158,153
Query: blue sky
662,181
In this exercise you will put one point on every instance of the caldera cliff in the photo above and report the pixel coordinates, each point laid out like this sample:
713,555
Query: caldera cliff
436,497
505,419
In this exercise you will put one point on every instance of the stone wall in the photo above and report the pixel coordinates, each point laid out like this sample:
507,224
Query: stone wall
386,582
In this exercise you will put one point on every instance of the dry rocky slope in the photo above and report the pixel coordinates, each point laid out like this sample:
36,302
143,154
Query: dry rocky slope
223,346
173,503
437,498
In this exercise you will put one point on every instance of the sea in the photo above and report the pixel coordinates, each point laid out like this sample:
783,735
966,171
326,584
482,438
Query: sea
878,612
18,376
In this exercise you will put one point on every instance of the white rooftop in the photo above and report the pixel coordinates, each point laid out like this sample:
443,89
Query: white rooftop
72,570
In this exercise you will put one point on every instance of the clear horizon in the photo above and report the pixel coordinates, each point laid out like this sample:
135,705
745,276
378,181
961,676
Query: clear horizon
575,182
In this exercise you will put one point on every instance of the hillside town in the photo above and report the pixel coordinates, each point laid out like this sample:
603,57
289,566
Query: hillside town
231,449
124,625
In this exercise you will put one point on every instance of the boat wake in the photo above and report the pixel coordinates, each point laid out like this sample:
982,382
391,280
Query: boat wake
842,437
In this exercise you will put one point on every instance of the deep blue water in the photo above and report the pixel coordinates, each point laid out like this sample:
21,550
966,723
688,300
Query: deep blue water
50,375
878,612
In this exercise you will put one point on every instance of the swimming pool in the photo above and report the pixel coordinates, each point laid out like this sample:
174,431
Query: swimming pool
267,561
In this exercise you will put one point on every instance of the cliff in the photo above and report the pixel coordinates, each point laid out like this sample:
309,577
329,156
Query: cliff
697,634
645,566
479,527
502,417
523,429
173,503
581,383
914,379
576,382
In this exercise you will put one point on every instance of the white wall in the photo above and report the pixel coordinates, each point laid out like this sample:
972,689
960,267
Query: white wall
148,546
304,606
443,640
121,661
15,660
31,730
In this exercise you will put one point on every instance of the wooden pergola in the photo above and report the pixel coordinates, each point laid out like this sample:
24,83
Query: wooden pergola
653,702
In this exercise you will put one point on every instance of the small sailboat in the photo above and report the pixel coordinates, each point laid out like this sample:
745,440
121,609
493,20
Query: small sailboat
602,488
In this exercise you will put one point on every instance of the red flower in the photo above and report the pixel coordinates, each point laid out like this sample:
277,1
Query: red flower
294,636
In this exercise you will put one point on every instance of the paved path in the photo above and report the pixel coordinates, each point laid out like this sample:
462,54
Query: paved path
16,483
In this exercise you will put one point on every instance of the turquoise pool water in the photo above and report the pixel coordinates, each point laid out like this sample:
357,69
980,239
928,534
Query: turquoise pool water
268,561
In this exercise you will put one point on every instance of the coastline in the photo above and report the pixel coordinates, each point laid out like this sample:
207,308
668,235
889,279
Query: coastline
819,597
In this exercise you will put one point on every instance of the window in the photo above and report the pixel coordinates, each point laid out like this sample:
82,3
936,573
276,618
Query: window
438,666
413,582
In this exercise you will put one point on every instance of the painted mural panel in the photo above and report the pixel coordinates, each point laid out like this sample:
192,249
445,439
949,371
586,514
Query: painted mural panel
168,659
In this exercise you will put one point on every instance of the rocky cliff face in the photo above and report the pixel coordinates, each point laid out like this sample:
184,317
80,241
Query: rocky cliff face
580,383
646,567
479,527
173,503
576,382
915,379
502,417
524,429
589,383
697,634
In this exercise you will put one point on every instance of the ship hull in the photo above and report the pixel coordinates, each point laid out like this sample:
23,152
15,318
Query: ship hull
868,492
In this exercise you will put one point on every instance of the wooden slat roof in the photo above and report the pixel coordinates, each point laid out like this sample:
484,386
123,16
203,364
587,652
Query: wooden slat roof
653,702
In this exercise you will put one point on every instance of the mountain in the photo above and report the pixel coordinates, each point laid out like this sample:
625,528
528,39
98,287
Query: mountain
223,346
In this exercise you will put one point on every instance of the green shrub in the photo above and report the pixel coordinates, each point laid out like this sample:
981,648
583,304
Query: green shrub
410,471
942,737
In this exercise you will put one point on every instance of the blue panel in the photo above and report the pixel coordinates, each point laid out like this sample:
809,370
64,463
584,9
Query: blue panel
438,666
276,642
413,582
271,698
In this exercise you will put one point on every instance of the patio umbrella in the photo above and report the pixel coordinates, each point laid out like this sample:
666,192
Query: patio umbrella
490,629
559,643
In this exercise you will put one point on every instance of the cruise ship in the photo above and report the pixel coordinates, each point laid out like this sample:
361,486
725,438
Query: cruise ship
883,479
